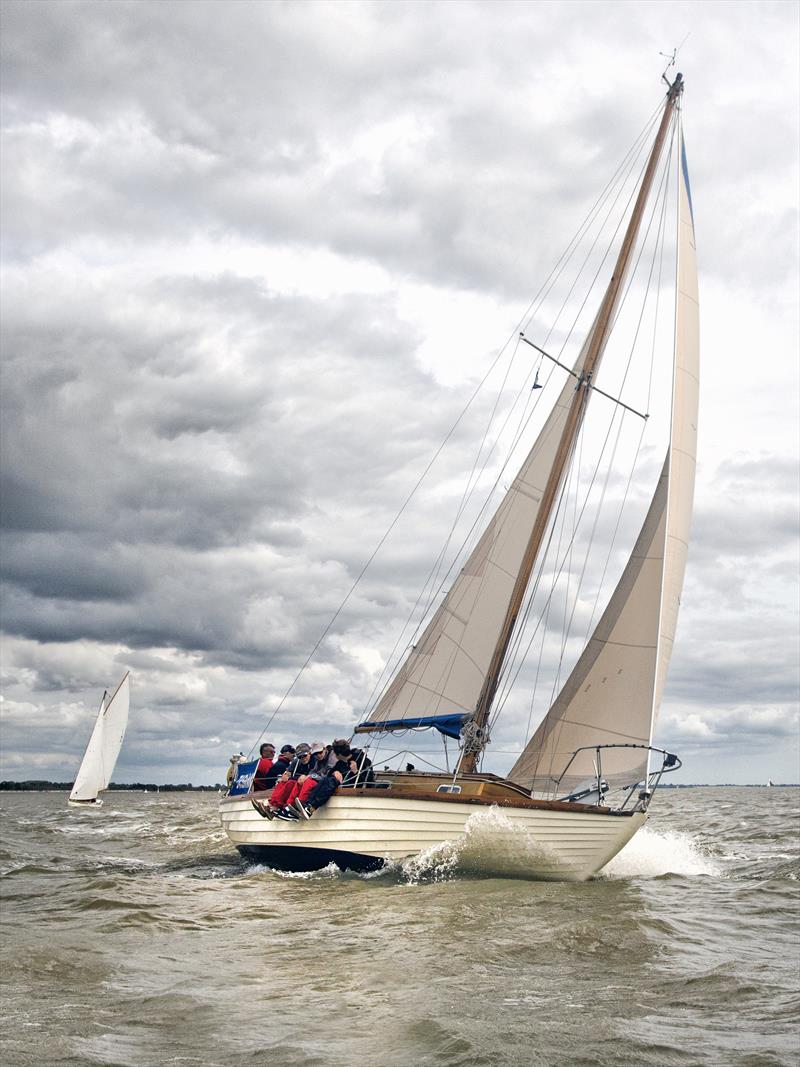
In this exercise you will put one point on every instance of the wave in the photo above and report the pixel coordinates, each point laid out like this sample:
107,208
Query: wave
493,845
656,853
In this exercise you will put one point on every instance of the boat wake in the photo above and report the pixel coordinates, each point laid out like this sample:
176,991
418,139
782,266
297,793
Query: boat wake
656,853
492,845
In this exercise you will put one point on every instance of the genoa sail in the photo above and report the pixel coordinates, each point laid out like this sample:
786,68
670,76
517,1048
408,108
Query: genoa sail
614,692
104,746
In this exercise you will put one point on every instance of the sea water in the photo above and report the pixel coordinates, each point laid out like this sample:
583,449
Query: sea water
134,935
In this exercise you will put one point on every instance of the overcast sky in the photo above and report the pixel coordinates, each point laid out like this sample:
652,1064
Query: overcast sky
256,256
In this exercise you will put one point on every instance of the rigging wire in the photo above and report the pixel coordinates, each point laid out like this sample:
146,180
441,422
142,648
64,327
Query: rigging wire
658,253
661,238
658,209
507,675
623,174
629,283
536,302
660,202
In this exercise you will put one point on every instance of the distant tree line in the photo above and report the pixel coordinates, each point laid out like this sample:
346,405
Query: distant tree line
149,787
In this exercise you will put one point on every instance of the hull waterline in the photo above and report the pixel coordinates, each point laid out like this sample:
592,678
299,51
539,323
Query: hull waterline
367,831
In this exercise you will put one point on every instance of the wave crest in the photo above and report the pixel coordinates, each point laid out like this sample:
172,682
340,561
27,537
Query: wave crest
655,853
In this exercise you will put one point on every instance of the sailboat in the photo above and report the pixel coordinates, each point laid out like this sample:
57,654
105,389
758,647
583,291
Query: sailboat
101,753
582,784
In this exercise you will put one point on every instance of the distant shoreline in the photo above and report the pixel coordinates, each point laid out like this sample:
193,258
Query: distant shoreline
33,786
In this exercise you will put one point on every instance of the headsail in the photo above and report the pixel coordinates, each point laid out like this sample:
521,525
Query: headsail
102,751
614,691
443,674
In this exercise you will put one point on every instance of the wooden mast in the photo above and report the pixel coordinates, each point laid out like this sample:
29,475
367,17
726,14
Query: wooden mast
569,437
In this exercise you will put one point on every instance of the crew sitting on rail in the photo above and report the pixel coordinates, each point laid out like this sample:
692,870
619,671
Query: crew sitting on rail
280,766
263,778
351,768
325,788
309,776
298,780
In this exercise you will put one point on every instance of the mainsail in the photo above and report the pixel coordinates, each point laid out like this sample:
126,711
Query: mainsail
102,751
613,694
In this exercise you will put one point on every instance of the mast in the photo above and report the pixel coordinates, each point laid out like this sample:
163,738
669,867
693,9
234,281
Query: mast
476,741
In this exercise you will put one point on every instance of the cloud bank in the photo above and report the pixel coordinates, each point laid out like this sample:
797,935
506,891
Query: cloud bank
256,257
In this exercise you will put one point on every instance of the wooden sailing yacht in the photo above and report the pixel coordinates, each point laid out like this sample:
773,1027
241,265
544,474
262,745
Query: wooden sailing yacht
581,787
101,753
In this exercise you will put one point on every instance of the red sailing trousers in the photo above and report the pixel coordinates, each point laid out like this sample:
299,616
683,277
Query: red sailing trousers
287,792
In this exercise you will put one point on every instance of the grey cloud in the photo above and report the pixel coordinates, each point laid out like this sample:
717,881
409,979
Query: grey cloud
195,466
56,567
749,510
191,513
253,145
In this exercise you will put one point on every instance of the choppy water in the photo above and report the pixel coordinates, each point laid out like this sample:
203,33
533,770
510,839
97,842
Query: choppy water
133,935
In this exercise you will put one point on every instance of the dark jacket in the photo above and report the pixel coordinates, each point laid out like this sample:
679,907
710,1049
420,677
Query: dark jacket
364,773
281,764
297,767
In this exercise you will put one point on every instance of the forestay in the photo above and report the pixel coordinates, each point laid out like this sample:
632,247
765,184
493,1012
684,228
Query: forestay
613,694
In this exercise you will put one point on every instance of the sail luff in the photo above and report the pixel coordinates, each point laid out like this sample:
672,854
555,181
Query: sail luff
614,691
594,353
598,702
683,428
116,722
655,697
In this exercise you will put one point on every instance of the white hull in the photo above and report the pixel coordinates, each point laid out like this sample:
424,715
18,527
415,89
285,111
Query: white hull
369,830
96,803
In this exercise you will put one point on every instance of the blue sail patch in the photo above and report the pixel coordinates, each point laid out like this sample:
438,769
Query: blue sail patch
685,169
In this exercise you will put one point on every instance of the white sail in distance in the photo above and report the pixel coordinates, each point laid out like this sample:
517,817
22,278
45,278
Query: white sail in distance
614,692
100,757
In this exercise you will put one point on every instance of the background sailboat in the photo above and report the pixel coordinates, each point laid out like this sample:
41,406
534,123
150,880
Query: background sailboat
100,757
596,739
